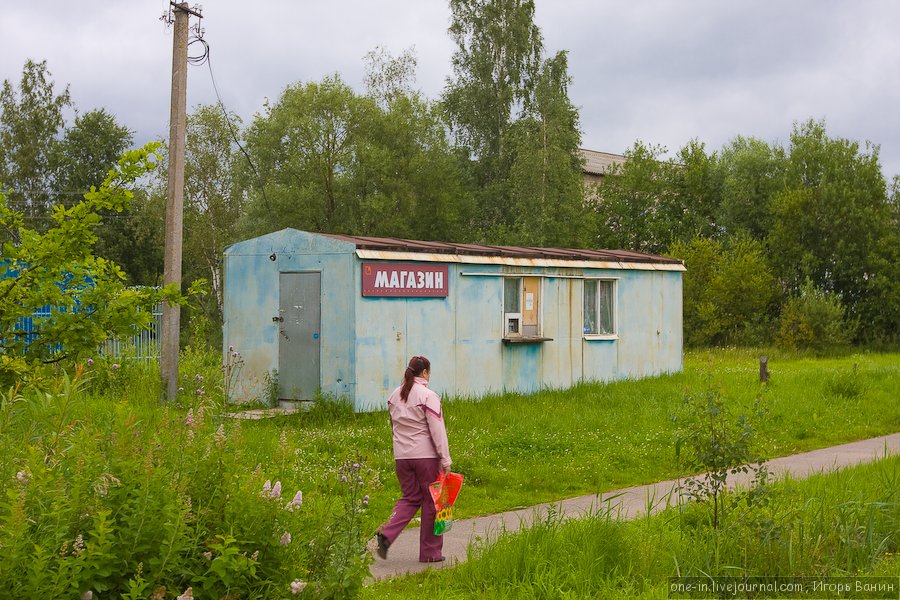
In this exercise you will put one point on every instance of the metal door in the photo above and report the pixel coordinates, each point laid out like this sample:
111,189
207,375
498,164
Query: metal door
299,321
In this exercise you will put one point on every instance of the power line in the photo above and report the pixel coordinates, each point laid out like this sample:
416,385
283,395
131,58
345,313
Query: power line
231,129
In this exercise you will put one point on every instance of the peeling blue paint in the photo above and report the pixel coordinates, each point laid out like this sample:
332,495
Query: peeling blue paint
366,342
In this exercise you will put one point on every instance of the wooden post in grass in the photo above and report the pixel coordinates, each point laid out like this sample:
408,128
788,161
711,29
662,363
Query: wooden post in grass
764,369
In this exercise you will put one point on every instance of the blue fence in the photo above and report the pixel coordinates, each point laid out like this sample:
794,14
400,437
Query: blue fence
143,346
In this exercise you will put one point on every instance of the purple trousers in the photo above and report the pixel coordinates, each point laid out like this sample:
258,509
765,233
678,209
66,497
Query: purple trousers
415,475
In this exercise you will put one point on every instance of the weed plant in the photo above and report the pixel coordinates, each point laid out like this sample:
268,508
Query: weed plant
845,523
111,494
108,490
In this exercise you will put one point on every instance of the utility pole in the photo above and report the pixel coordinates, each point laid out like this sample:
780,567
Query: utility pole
171,316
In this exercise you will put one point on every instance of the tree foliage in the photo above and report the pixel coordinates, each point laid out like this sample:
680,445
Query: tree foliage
331,160
31,122
818,210
510,111
495,67
832,218
752,172
83,297
627,213
728,290
213,199
45,162
546,192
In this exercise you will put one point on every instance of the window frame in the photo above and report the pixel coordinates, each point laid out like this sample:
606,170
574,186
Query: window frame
512,315
614,313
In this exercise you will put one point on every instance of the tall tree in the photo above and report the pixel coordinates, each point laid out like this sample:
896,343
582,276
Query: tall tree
31,122
213,198
495,65
410,181
692,209
628,200
546,205
89,148
303,148
510,110
334,161
832,220
752,173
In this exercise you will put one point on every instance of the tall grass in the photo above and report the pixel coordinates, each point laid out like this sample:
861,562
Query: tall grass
518,450
845,523
106,491
155,489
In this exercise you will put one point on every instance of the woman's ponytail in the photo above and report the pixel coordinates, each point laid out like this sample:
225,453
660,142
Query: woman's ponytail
417,365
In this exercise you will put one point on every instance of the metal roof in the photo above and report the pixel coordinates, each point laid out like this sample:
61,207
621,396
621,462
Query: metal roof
401,245
599,163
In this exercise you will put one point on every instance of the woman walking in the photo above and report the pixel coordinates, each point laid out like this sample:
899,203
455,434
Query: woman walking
421,453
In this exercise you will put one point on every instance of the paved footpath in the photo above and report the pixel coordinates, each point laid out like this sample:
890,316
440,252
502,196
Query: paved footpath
626,503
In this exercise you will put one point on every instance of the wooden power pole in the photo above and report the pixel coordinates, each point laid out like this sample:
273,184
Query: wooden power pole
171,316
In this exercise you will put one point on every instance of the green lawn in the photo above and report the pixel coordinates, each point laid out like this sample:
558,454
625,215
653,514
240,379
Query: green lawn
519,450
107,490
841,524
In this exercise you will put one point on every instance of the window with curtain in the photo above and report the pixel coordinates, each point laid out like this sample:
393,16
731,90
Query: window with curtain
599,307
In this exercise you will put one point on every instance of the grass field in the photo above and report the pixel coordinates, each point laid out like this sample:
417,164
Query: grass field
107,488
841,524
520,450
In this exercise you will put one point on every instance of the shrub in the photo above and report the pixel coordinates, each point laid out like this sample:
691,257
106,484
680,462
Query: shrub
717,444
814,320
728,289
126,498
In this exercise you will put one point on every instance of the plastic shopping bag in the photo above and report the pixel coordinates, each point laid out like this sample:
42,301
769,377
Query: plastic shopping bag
444,492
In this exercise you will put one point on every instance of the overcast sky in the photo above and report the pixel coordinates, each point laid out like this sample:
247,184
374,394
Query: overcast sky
660,71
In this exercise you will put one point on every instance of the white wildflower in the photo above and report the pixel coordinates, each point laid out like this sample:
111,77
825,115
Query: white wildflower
219,435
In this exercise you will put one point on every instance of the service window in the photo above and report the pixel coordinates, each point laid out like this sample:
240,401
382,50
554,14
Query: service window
600,307
521,306
512,306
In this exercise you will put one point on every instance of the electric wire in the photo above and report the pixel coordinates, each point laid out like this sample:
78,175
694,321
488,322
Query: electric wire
231,129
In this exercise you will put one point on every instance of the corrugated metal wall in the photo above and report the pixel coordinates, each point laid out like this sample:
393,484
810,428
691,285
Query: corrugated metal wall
367,341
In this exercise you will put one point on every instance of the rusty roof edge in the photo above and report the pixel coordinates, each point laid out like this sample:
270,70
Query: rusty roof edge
507,252
472,259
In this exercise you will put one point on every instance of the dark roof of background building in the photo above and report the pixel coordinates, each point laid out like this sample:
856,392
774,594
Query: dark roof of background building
600,163
401,245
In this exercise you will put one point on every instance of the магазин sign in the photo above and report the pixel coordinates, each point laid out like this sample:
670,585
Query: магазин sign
404,280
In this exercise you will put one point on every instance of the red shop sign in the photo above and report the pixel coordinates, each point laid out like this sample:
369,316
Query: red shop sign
404,280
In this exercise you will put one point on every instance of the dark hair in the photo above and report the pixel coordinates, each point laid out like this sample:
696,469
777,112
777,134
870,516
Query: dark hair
417,364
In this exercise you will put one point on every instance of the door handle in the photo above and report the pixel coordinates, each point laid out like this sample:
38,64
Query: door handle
278,319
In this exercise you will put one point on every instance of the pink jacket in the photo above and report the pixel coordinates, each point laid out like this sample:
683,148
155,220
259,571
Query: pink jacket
418,424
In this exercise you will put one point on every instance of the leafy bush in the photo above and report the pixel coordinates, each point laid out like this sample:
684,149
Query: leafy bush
126,498
814,320
728,289
718,444
82,298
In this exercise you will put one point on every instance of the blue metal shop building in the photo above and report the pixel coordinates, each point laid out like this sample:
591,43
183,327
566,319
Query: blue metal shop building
341,315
